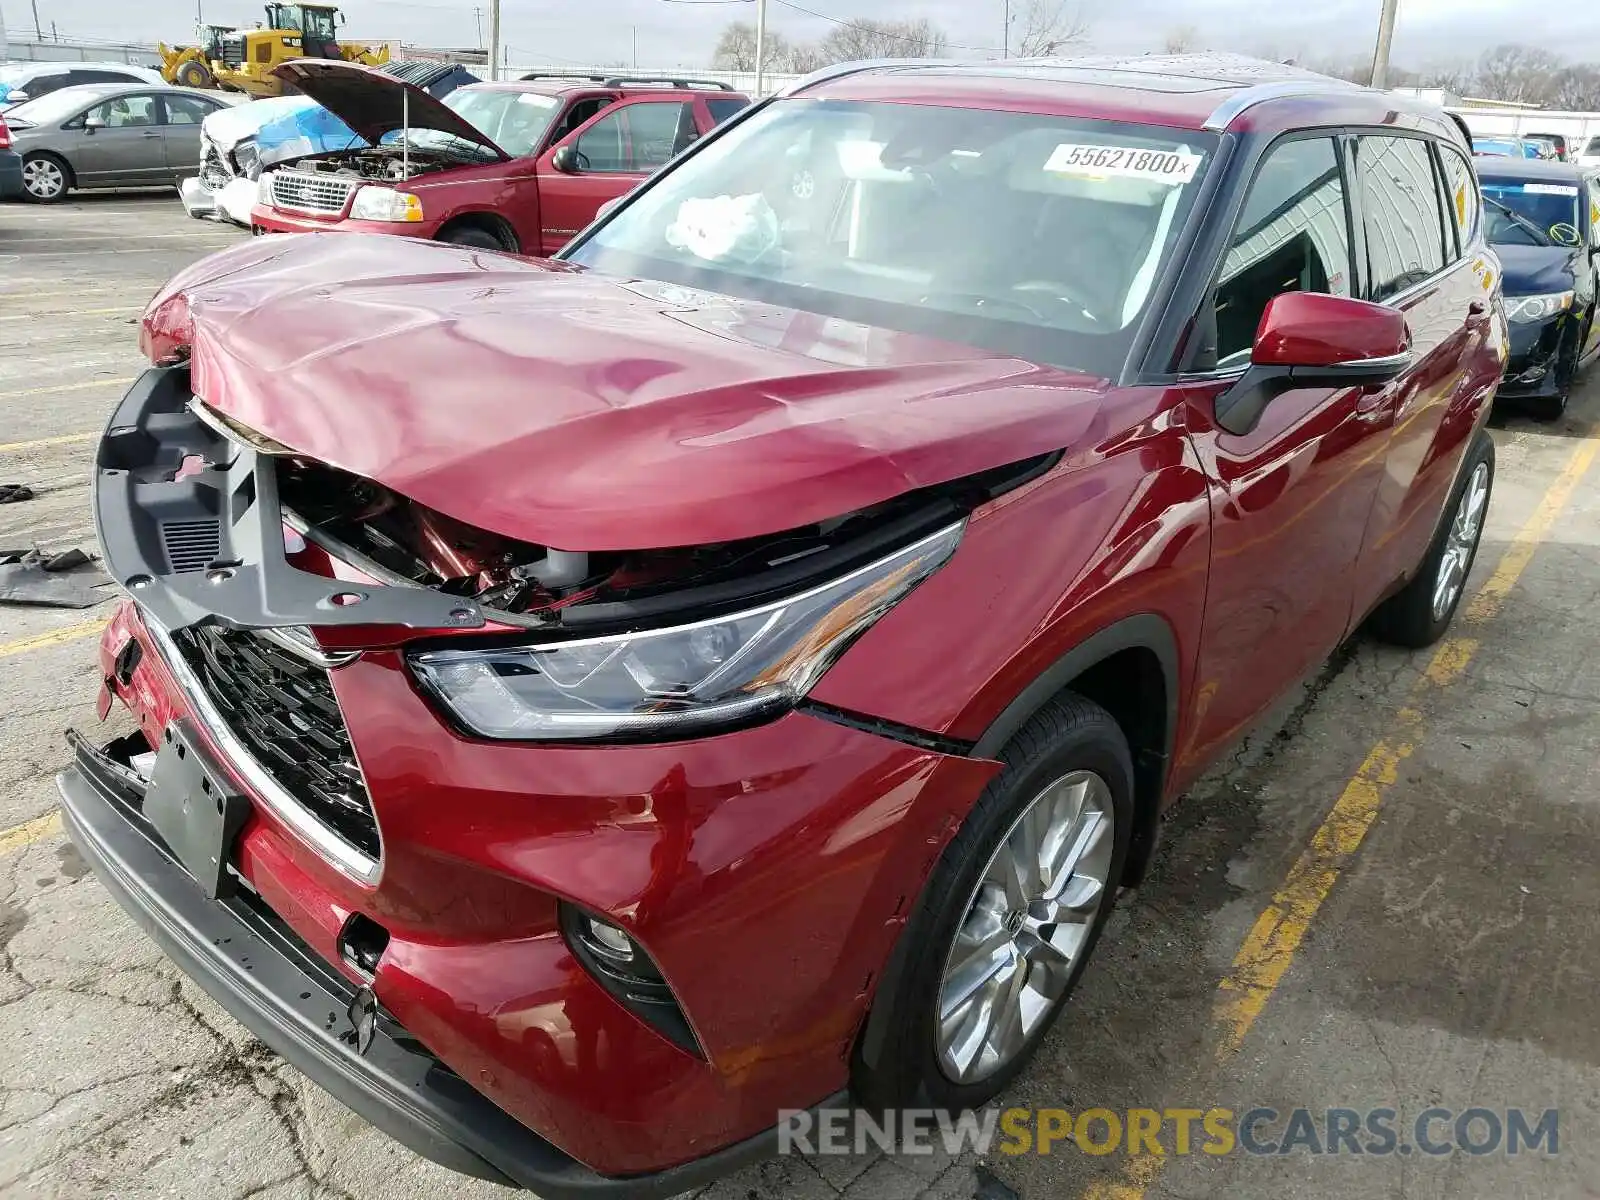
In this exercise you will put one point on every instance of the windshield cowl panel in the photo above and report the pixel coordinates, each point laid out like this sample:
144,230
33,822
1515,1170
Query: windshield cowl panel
1032,235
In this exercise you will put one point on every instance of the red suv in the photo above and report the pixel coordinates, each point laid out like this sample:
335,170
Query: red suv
504,166
586,707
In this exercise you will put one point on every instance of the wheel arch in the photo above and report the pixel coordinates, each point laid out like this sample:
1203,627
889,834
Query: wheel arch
490,222
1131,669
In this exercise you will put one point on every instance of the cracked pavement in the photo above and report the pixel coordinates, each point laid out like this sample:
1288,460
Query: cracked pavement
1449,965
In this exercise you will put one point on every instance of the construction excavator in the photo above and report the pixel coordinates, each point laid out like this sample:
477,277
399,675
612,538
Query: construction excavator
242,60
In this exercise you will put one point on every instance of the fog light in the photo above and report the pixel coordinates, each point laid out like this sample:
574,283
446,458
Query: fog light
622,967
610,938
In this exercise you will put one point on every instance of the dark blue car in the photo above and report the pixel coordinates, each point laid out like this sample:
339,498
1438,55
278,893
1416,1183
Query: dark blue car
1542,220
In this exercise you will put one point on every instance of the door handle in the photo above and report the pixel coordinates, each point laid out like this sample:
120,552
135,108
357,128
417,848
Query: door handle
150,133
1478,308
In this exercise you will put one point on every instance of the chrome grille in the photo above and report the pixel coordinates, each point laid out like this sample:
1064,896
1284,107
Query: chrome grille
282,709
310,193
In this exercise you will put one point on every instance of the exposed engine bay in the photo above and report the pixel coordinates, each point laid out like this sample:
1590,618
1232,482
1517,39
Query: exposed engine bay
399,541
386,164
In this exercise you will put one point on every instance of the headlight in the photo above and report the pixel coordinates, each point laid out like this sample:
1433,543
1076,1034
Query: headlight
670,683
385,204
1523,309
264,189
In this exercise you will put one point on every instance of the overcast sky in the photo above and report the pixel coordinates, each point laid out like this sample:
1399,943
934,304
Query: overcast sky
682,32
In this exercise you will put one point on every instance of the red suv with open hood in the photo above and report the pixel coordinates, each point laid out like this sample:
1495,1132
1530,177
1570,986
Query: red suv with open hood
518,166
587,707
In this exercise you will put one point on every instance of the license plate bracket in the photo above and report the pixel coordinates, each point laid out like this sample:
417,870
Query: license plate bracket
195,810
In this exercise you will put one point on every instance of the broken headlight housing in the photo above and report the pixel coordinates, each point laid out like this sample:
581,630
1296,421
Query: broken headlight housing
661,684
1523,309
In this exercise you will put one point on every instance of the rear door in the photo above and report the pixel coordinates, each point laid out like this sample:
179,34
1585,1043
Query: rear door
614,151
180,130
1290,499
128,151
1415,218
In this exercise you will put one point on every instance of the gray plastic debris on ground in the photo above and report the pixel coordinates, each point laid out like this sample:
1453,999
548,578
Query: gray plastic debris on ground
65,580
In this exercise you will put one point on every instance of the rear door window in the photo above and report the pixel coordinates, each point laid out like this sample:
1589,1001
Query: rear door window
1461,193
721,110
1292,236
1401,214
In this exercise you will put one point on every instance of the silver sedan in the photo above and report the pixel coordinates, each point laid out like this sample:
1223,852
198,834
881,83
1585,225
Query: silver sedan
107,135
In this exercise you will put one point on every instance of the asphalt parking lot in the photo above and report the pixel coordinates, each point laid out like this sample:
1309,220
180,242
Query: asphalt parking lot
1384,900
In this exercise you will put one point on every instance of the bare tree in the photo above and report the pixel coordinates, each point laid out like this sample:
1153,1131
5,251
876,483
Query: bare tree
736,48
1181,39
1521,74
1451,77
851,40
1051,26
1575,88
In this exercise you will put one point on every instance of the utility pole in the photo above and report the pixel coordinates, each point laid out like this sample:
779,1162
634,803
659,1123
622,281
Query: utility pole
494,39
38,34
1005,45
1380,57
635,47
761,44
477,16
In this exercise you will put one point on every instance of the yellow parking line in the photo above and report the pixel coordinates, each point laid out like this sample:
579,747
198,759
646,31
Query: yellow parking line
1270,947
29,832
68,633
64,439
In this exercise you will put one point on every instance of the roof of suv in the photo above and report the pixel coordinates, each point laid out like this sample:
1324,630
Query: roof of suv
1215,92
557,83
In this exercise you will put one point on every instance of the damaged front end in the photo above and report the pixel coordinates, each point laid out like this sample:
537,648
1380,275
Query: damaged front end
207,522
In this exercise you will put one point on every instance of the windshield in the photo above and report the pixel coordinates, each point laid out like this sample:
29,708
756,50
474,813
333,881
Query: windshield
52,106
514,121
1551,208
1032,235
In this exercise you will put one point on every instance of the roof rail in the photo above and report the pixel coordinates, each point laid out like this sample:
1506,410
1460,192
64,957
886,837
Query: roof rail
670,80
840,70
561,75
1283,89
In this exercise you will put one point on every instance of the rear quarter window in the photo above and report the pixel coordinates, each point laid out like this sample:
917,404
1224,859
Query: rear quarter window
1461,193
721,110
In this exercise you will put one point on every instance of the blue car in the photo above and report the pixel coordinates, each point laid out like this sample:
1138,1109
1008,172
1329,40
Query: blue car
1506,147
1543,219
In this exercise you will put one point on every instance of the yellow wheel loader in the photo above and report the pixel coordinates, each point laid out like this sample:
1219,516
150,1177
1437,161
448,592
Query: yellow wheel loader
190,66
246,57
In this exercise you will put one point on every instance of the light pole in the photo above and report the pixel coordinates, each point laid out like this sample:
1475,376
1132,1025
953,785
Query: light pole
494,39
1005,42
761,44
1380,56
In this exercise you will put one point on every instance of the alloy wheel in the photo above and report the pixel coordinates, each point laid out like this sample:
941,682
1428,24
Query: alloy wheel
1465,528
43,178
1026,926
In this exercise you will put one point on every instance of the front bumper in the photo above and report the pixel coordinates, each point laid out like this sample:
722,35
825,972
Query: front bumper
255,967
1533,367
266,219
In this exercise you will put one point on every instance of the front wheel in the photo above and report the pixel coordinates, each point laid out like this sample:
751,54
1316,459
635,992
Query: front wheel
1010,915
193,74
472,235
1419,613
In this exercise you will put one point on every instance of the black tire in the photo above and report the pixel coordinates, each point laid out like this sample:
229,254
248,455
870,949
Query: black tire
472,235
37,158
193,75
1407,618
1068,734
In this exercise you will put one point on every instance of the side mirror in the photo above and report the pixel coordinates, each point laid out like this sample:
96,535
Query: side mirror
1311,340
90,124
15,96
565,160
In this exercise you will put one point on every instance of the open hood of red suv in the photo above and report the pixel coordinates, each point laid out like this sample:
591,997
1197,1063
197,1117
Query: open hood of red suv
556,406
374,104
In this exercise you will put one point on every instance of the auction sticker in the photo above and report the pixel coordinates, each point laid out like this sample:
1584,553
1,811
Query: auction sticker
1549,189
1124,162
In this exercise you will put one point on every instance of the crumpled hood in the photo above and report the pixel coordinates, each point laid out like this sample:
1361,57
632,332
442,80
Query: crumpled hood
1536,270
569,409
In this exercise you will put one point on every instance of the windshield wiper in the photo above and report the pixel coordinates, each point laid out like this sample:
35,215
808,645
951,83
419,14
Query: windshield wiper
1518,219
